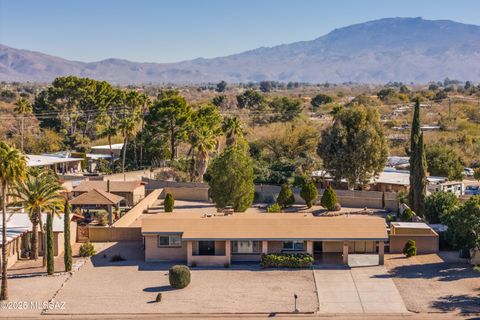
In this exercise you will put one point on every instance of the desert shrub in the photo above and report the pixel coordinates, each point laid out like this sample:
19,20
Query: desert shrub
168,202
102,217
390,218
329,199
87,250
286,260
274,208
285,197
117,258
337,207
410,249
179,276
476,268
407,215
309,193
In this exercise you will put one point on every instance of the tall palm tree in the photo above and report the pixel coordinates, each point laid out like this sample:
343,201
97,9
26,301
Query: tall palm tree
232,128
128,127
40,192
203,141
23,108
109,131
12,170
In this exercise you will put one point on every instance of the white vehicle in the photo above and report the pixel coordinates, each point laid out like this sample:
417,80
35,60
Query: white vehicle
468,172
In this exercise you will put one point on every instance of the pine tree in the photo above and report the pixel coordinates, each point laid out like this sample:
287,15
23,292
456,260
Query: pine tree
417,192
329,199
285,197
67,258
49,250
309,193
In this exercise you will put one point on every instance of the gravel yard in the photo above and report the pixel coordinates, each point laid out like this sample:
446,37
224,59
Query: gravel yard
430,283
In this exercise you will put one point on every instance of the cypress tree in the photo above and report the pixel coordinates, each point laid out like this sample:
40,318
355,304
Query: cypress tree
285,197
49,251
67,258
416,195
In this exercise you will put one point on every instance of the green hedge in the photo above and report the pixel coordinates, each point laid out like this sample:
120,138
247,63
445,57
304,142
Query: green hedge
286,260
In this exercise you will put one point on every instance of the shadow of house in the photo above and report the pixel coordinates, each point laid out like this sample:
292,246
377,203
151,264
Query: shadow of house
461,303
439,271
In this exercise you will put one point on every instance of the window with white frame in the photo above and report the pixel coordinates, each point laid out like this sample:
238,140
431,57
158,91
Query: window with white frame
293,245
245,247
169,241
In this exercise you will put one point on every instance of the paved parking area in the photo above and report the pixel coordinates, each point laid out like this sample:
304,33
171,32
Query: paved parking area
357,290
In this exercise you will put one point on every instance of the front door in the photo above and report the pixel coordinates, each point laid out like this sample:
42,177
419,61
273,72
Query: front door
206,248
317,246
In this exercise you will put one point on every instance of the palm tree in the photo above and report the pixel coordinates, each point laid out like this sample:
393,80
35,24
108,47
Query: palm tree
232,128
23,108
12,170
109,131
40,192
128,127
203,141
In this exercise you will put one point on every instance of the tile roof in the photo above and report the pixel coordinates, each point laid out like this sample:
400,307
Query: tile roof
96,197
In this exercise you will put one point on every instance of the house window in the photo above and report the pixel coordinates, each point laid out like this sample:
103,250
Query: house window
246,247
293,245
169,241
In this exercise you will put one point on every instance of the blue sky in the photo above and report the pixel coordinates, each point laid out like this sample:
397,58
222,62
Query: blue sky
175,30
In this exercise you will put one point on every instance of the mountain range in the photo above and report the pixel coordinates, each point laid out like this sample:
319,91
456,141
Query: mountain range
391,49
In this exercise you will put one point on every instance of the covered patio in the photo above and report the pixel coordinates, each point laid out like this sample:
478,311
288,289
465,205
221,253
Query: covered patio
96,198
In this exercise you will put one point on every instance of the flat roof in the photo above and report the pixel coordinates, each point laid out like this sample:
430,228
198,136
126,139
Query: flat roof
266,226
34,160
115,146
410,225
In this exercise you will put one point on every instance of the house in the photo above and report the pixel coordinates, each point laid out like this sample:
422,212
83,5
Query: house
426,239
15,238
59,163
105,149
217,239
131,191
20,228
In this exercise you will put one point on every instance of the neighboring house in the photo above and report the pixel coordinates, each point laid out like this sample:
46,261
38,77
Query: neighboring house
219,240
16,236
20,230
59,163
426,239
132,191
455,187
105,149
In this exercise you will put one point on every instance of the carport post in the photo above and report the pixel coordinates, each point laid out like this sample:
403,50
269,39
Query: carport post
265,247
189,253
345,252
310,247
381,252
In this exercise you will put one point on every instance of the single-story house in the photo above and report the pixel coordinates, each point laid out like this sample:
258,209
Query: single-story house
217,240
59,163
132,191
425,237
19,229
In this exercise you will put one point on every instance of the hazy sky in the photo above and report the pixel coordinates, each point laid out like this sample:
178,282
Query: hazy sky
167,31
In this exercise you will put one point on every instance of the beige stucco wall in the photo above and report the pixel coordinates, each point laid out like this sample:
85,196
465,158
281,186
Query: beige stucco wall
361,246
134,213
154,253
185,193
332,246
424,243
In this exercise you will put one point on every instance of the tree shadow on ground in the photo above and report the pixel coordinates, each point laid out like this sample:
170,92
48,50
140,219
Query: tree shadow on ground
159,289
461,303
440,271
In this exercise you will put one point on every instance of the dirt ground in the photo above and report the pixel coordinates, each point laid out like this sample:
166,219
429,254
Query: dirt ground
131,286
435,283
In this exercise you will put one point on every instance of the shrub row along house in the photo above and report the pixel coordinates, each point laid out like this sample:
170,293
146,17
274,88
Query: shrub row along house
218,239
